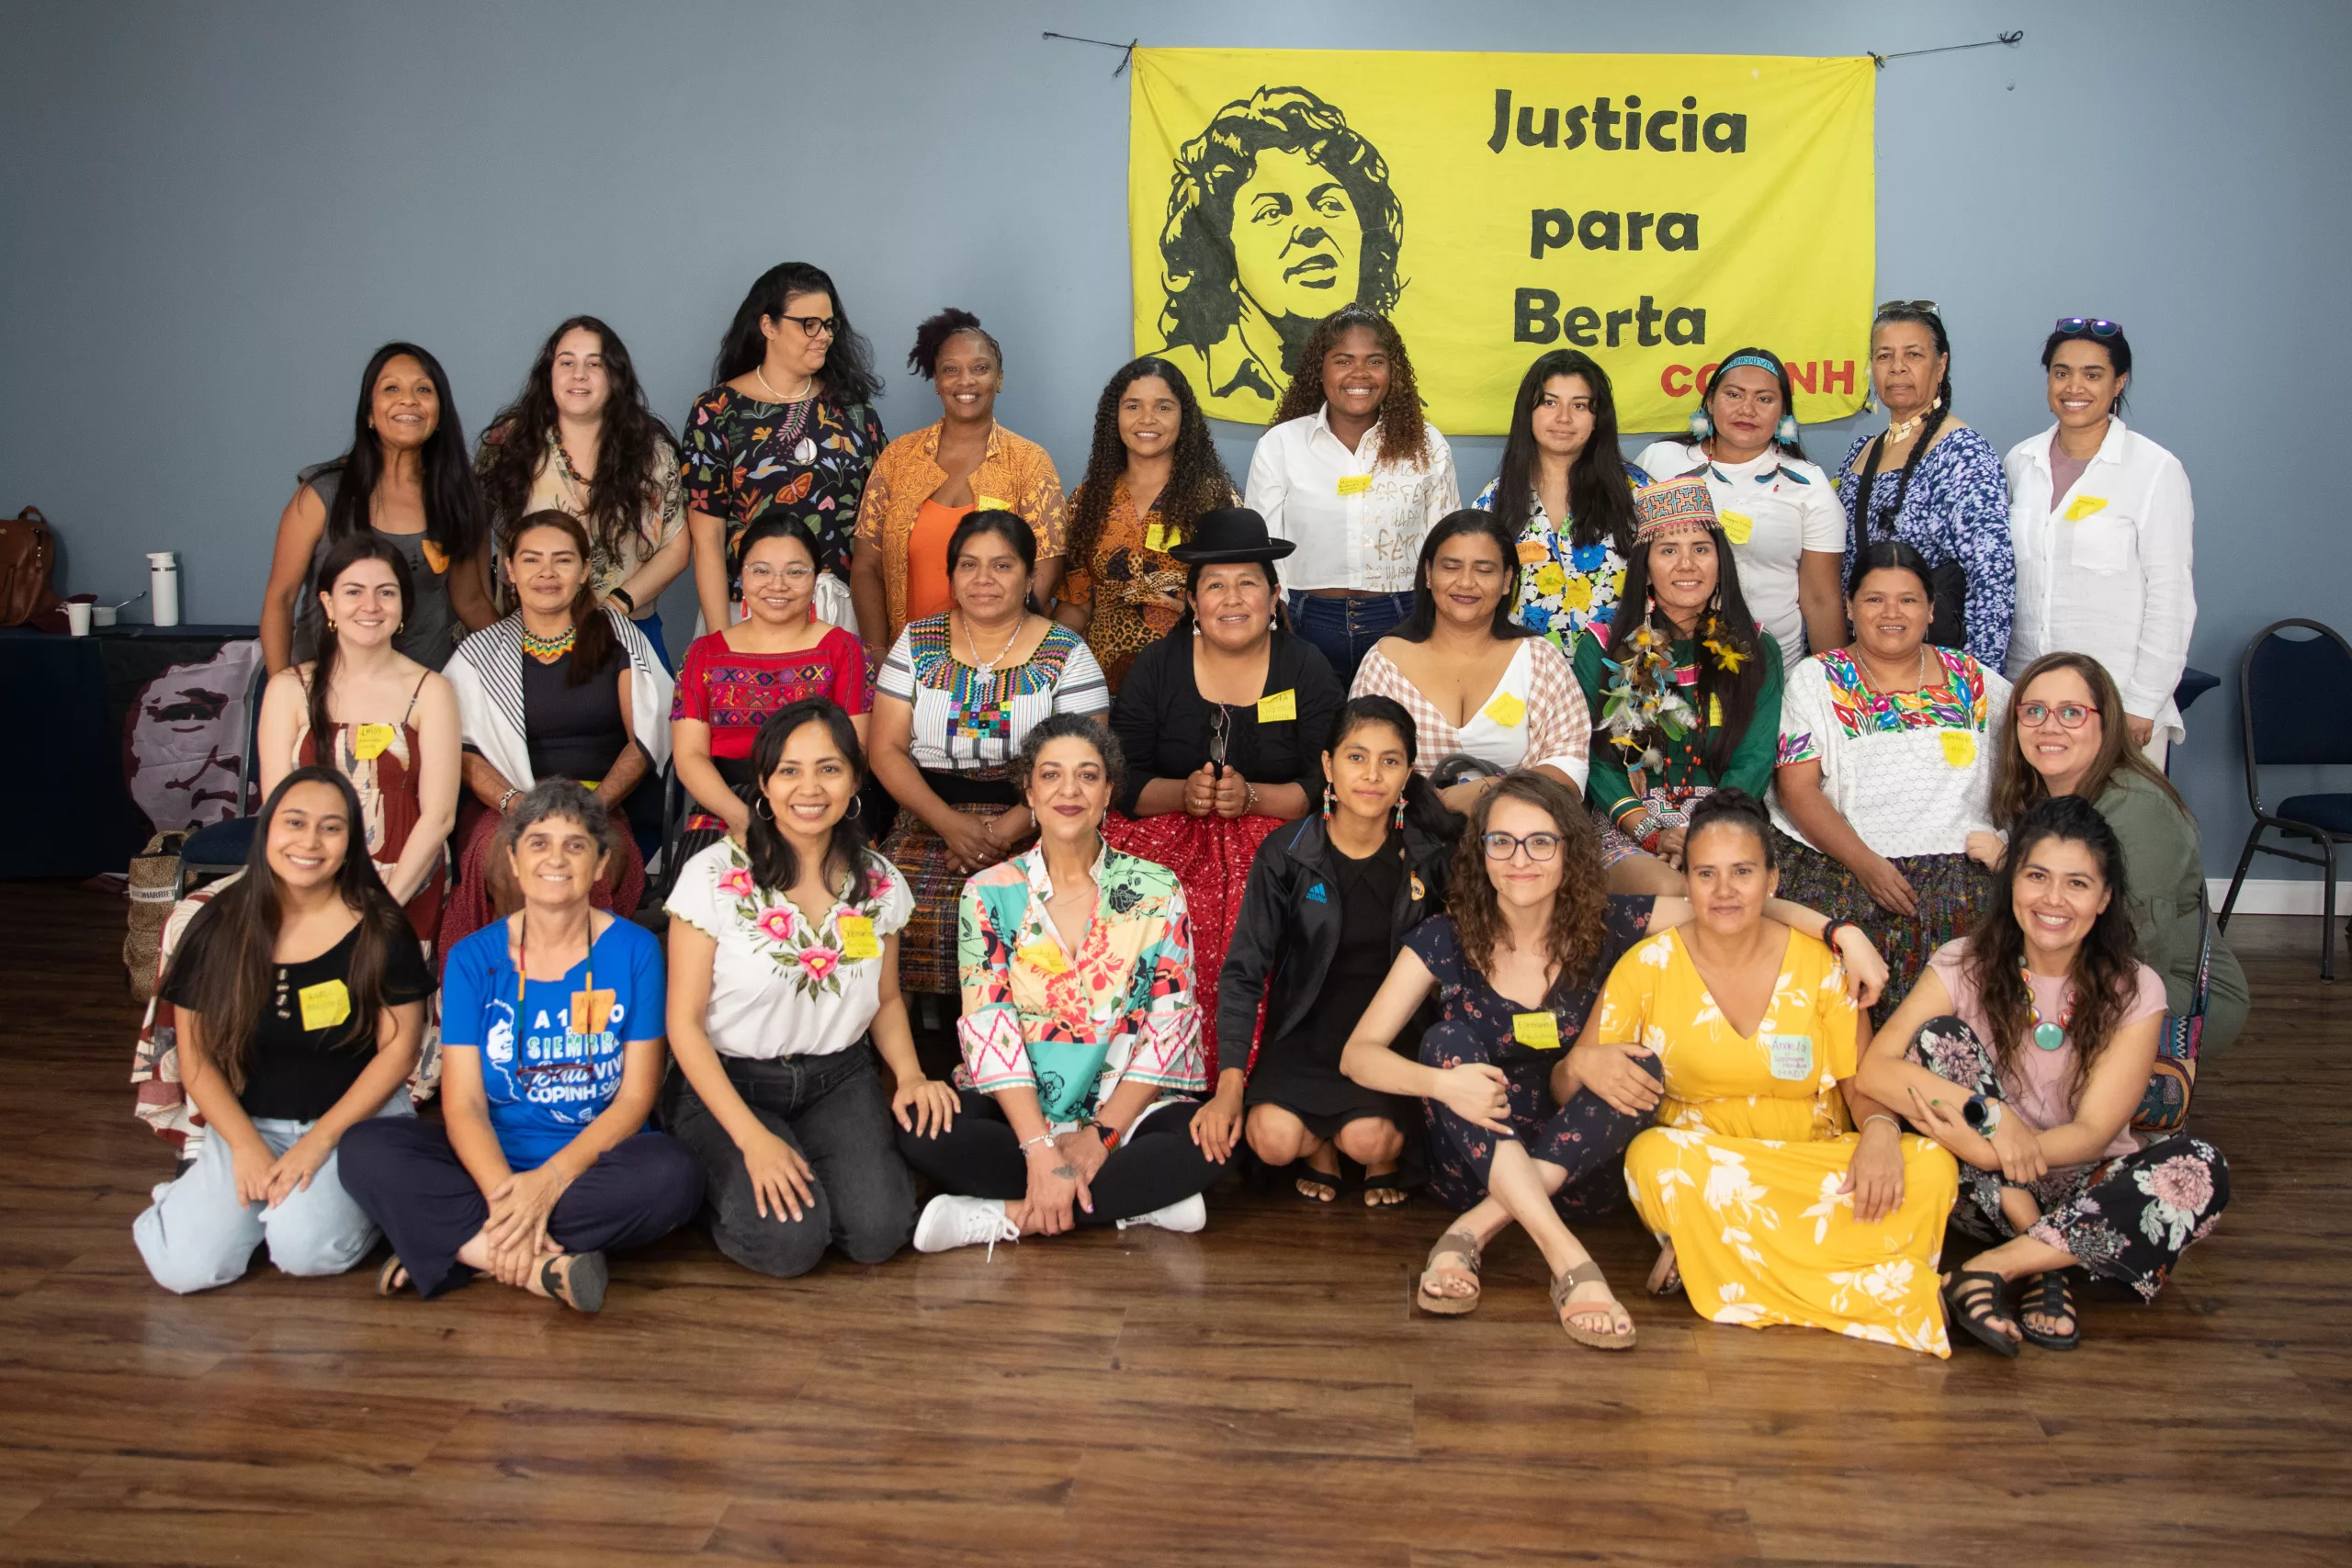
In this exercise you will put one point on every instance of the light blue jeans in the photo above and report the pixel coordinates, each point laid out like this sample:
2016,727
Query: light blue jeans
196,1234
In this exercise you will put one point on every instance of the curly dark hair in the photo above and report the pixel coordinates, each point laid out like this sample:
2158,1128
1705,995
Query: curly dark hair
932,335
1581,909
2106,966
1404,432
1083,726
1196,241
848,376
1197,482
516,443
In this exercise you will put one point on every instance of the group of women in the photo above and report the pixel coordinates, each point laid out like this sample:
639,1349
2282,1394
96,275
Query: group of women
1470,812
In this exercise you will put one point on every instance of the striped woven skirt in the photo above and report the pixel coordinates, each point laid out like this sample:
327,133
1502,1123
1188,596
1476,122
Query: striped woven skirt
1950,890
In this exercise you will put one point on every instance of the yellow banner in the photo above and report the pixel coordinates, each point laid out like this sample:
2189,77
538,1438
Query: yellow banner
1656,211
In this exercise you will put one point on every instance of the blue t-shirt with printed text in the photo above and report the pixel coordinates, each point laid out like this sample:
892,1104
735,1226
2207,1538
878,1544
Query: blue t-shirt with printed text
544,1080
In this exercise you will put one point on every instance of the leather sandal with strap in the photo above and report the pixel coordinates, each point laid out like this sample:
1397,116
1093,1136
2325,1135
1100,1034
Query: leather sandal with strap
1453,1244
2052,1297
1588,1273
580,1287
1972,1299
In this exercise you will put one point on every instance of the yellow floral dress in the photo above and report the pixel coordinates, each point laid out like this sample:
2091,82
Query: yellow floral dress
1742,1171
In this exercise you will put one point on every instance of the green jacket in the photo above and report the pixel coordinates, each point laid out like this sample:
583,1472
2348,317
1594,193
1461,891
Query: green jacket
2164,863
1750,767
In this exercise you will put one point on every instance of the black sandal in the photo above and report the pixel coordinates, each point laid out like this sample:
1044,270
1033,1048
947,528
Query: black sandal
1972,1298
1299,1170
1388,1181
2052,1297
581,1287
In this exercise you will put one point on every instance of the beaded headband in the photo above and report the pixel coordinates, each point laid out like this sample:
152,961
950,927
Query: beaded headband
1736,360
1673,503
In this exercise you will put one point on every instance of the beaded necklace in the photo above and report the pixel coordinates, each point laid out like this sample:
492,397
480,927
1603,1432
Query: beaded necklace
548,649
2048,1036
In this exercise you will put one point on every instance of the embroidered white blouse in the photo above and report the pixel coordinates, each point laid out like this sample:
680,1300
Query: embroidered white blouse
781,987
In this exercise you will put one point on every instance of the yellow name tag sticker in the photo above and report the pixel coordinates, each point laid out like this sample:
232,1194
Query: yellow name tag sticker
1536,1031
324,1005
436,558
2085,506
1506,710
1278,708
592,1012
369,741
858,939
1354,484
1533,552
1737,526
989,503
1959,748
1155,537
1043,956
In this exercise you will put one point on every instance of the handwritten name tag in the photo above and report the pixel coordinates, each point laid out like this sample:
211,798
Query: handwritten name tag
324,1005
1045,956
1506,710
2085,506
1737,526
1354,484
1536,1031
858,939
369,741
1278,708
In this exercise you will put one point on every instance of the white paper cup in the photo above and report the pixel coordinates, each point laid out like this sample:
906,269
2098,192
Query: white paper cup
78,617
102,615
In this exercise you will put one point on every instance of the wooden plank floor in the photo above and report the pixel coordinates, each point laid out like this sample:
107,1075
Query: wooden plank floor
1260,1393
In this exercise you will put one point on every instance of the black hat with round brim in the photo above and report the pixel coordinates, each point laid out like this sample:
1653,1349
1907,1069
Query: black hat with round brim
1229,533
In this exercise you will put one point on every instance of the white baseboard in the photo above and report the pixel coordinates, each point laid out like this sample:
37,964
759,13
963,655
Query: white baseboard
2278,895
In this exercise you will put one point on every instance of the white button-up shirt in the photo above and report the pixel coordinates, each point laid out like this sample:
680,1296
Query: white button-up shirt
2106,570
1358,521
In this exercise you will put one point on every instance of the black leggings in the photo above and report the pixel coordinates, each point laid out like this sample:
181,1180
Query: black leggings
980,1157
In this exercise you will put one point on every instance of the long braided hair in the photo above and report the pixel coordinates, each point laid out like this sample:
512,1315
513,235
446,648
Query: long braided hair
1404,432
1197,482
1864,511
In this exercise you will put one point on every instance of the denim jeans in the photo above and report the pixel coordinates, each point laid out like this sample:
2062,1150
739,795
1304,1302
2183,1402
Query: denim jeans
835,1113
196,1235
1345,629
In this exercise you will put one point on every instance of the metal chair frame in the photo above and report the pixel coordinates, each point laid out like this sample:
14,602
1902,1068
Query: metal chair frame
2265,821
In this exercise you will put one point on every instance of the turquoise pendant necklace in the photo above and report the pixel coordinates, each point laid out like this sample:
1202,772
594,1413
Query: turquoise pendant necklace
2048,1036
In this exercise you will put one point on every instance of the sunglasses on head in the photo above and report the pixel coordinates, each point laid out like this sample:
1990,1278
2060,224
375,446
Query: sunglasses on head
1924,307
2095,326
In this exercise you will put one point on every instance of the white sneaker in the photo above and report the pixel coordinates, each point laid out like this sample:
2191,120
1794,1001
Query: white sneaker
1186,1216
949,1221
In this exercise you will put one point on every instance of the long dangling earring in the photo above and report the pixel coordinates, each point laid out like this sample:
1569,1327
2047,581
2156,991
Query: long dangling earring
1330,802
1400,813
1701,425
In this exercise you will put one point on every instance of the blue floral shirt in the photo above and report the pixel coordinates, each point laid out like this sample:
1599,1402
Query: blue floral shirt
1564,587
1958,510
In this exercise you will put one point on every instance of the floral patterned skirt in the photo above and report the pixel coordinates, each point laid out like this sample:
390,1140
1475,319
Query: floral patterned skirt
1950,891
1210,856
2127,1219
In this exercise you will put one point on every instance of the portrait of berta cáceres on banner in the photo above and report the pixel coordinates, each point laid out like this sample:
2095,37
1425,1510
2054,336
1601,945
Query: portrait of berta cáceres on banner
1278,214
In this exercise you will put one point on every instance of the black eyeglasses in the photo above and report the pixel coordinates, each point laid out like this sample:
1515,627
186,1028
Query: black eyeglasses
1926,307
815,326
1503,846
2070,716
2095,326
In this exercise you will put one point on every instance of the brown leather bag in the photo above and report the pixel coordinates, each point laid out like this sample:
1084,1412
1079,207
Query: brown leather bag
28,556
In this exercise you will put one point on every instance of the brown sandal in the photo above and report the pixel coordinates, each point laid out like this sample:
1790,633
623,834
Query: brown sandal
1588,1273
392,1278
1459,1243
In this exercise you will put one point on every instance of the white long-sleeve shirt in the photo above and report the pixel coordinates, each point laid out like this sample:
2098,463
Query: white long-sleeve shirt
2106,569
1358,521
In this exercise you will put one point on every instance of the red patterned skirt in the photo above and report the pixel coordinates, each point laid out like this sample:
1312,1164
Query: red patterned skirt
1210,856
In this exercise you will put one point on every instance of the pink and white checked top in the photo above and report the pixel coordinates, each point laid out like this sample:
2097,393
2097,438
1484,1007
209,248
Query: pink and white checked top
1535,718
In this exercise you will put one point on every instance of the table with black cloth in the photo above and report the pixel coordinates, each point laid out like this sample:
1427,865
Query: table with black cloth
65,806
1164,722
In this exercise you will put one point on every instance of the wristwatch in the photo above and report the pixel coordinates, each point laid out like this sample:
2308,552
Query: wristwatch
1983,1113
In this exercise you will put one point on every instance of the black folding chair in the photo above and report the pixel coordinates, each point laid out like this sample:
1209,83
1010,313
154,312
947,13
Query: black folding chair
2295,702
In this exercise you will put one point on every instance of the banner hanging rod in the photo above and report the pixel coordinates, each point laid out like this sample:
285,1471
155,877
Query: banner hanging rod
1127,51
2008,40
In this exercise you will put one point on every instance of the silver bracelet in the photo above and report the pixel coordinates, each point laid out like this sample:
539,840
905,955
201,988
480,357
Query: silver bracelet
1883,1116
1028,1143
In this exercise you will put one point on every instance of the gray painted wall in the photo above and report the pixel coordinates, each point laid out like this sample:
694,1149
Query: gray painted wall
214,211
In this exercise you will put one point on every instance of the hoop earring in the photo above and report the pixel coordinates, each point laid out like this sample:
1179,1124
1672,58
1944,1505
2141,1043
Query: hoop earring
856,808
1701,425
1330,802
761,809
